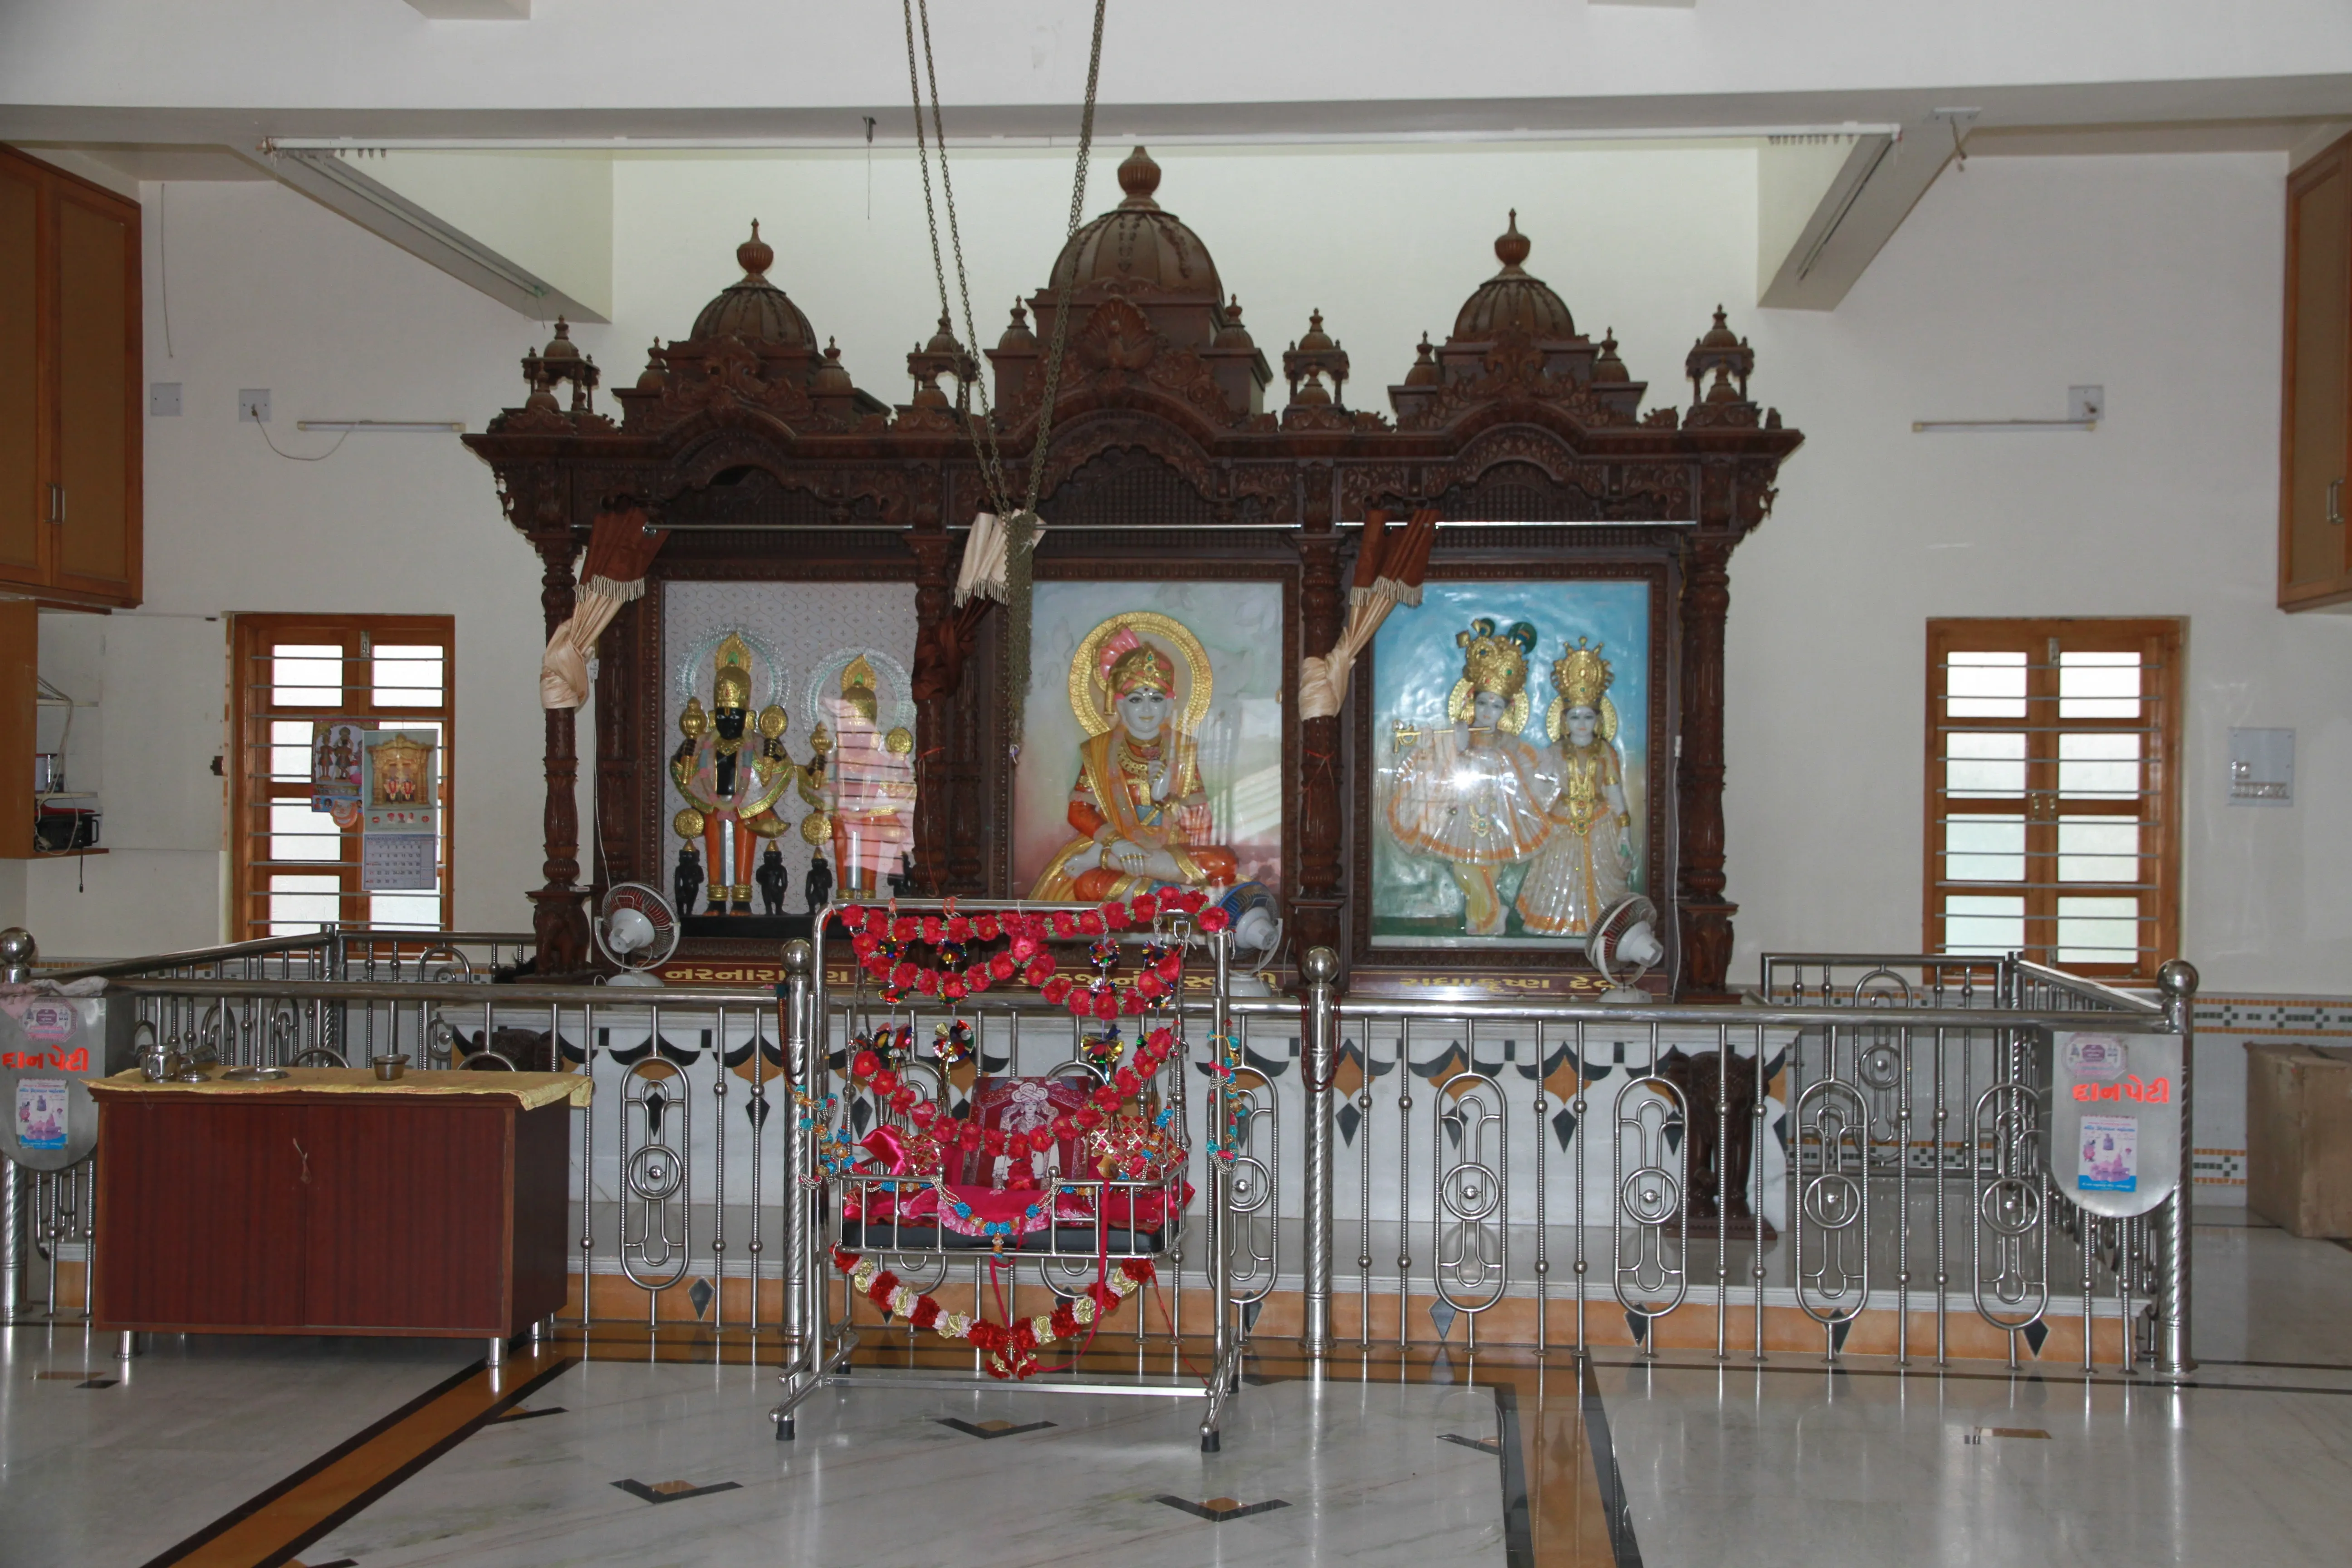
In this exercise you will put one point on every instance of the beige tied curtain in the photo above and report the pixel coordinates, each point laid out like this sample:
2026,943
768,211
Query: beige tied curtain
1389,570
619,551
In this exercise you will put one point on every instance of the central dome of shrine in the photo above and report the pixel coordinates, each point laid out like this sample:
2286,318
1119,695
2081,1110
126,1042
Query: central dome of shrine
755,309
1138,248
1511,301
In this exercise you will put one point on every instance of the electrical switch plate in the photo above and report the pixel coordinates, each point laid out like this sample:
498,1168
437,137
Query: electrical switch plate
253,406
164,399
2086,403
2261,767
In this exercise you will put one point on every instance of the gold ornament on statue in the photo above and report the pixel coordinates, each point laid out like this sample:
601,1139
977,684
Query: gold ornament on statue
687,823
1582,678
816,829
899,741
773,721
1495,664
693,721
857,689
730,684
821,740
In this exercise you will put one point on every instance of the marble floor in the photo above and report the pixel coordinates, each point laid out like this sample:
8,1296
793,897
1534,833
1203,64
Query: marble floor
625,1449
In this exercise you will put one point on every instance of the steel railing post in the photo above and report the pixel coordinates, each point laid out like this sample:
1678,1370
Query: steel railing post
1320,971
2177,981
799,1278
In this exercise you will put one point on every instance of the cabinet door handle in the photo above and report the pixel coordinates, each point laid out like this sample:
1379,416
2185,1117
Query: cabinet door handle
58,504
306,1159
2335,504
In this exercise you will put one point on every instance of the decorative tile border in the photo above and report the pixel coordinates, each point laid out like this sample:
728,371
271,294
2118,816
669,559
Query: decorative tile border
2276,1014
2221,1167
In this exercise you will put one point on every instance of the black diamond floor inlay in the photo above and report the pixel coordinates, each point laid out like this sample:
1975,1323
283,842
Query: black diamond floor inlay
673,1492
1218,1509
992,1429
1484,1444
519,1414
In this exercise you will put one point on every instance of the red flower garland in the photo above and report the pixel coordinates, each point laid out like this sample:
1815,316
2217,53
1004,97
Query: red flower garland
865,1069
879,934
1011,1350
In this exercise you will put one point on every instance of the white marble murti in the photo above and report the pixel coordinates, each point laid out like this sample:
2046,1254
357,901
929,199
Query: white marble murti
875,1479
796,629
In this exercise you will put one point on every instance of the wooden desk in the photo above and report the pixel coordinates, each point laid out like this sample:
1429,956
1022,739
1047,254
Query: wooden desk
328,1204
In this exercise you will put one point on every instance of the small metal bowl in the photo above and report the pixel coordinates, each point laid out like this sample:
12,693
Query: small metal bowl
389,1067
253,1075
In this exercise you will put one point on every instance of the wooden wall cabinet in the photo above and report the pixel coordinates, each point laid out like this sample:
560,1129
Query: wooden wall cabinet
71,356
2316,418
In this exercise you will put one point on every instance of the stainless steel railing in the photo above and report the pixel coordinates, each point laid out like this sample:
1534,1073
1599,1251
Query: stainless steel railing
1862,1136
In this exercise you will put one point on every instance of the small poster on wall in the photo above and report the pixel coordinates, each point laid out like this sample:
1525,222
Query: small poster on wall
41,1112
335,762
403,790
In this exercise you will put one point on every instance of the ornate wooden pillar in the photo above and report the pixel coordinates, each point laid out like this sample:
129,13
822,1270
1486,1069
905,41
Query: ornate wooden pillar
1706,914
934,589
1318,893
561,917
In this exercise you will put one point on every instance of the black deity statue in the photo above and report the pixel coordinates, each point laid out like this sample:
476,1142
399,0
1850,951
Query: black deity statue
818,886
773,879
686,881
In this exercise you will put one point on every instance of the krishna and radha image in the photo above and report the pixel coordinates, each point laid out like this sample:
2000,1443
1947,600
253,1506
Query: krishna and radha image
1510,750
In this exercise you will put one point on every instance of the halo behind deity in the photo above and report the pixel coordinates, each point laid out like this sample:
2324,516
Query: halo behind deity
1090,702
1555,717
893,699
692,675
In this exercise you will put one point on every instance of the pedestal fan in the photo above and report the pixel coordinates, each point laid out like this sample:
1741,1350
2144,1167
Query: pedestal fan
638,930
1623,946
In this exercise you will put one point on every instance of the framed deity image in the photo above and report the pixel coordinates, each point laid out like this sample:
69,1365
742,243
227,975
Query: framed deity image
1154,740
1513,763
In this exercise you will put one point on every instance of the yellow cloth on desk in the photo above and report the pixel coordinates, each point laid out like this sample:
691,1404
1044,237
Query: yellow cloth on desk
532,1090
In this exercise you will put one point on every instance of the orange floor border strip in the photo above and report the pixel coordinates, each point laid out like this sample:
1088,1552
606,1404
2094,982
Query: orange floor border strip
269,1528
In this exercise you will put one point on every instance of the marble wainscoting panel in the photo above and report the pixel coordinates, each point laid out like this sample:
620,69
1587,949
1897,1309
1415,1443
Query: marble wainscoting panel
1826,1469
877,1478
197,1425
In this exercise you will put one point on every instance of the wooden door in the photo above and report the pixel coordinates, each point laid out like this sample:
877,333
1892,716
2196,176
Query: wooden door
2316,425
98,362
408,1221
24,489
200,1206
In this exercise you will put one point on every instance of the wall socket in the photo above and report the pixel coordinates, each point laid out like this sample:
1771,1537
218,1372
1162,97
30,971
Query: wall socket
164,399
2086,403
253,406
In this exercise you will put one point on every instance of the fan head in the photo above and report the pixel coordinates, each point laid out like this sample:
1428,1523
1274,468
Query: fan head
636,928
1623,946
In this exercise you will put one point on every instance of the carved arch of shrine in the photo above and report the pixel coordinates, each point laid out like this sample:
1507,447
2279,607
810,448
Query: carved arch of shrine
750,444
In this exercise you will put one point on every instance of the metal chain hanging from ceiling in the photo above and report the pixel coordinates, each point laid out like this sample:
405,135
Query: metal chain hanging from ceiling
1020,521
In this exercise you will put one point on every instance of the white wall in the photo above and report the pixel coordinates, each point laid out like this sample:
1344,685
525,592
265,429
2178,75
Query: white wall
268,289
2156,276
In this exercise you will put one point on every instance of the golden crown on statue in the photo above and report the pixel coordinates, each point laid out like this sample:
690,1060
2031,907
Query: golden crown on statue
1493,661
1580,675
730,685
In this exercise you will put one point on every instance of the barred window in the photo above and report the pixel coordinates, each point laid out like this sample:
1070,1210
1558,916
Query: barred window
2052,809
302,681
